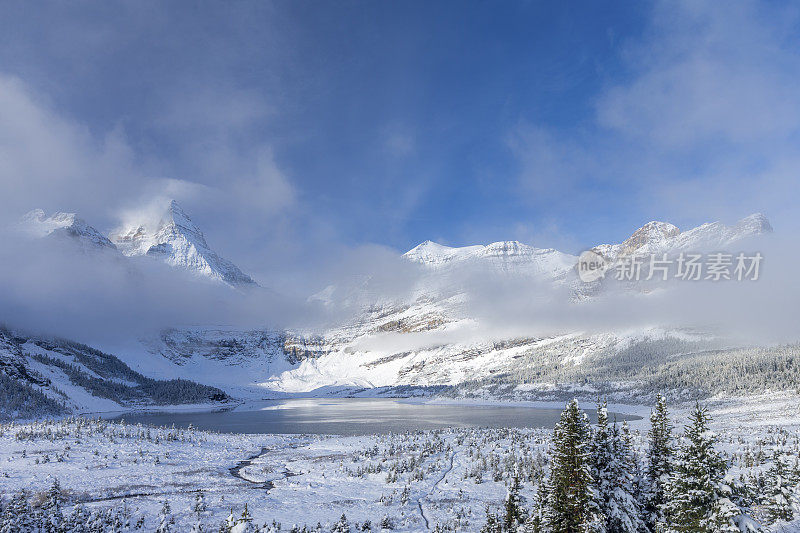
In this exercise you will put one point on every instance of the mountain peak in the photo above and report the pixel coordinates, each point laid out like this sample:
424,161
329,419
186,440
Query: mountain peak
506,257
652,235
754,224
174,214
663,237
435,254
178,241
59,224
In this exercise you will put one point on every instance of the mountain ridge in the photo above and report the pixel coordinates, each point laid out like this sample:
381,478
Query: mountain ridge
61,224
173,238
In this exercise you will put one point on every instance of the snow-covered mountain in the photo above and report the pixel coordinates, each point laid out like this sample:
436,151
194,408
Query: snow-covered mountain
431,338
547,264
427,336
65,226
176,240
663,237
42,376
504,256
171,237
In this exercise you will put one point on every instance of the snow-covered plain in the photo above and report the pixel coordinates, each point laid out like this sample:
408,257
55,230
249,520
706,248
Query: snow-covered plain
412,481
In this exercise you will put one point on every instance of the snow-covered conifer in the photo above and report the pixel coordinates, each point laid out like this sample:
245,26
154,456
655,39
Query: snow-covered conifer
659,463
779,500
697,499
570,486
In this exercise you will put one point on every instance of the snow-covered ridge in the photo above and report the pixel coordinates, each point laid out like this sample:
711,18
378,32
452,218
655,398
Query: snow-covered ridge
171,237
64,225
59,376
663,237
505,256
653,237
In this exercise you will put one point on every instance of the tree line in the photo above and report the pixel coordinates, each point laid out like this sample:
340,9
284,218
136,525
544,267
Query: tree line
598,483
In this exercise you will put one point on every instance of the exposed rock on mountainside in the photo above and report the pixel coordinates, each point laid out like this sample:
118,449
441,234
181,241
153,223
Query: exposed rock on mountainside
662,237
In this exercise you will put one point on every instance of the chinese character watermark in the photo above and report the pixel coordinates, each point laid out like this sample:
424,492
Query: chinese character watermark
686,266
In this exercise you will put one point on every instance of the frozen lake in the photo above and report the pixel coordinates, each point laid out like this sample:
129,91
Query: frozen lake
354,416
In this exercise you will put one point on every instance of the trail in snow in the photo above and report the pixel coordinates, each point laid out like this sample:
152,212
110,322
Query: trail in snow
433,488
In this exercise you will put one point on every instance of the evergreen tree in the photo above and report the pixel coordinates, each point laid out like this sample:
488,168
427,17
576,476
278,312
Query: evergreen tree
613,465
165,519
493,523
697,501
602,465
535,522
778,497
514,513
52,506
199,508
659,463
570,506
244,524
342,526
19,515
626,515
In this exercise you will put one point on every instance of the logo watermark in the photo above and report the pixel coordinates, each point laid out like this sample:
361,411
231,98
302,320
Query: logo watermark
592,266
717,266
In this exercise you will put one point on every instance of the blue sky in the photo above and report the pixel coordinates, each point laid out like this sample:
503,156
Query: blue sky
339,125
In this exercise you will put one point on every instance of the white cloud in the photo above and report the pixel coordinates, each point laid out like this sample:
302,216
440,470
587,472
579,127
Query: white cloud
703,125
52,162
710,71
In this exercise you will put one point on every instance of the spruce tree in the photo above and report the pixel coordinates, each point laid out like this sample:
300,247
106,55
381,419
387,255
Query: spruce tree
493,523
165,518
535,522
625,512
696,499
659,463
613,465
778,499
52,508
570,506
342,526
513,512
602,465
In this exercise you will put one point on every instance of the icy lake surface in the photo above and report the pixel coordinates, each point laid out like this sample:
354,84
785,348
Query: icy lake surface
354,416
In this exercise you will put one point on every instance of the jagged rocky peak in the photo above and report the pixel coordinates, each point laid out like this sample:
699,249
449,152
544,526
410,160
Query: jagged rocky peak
67,225
143,233
652,235
663,237
169,234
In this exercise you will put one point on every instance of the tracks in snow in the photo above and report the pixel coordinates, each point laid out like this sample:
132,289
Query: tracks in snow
433,488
